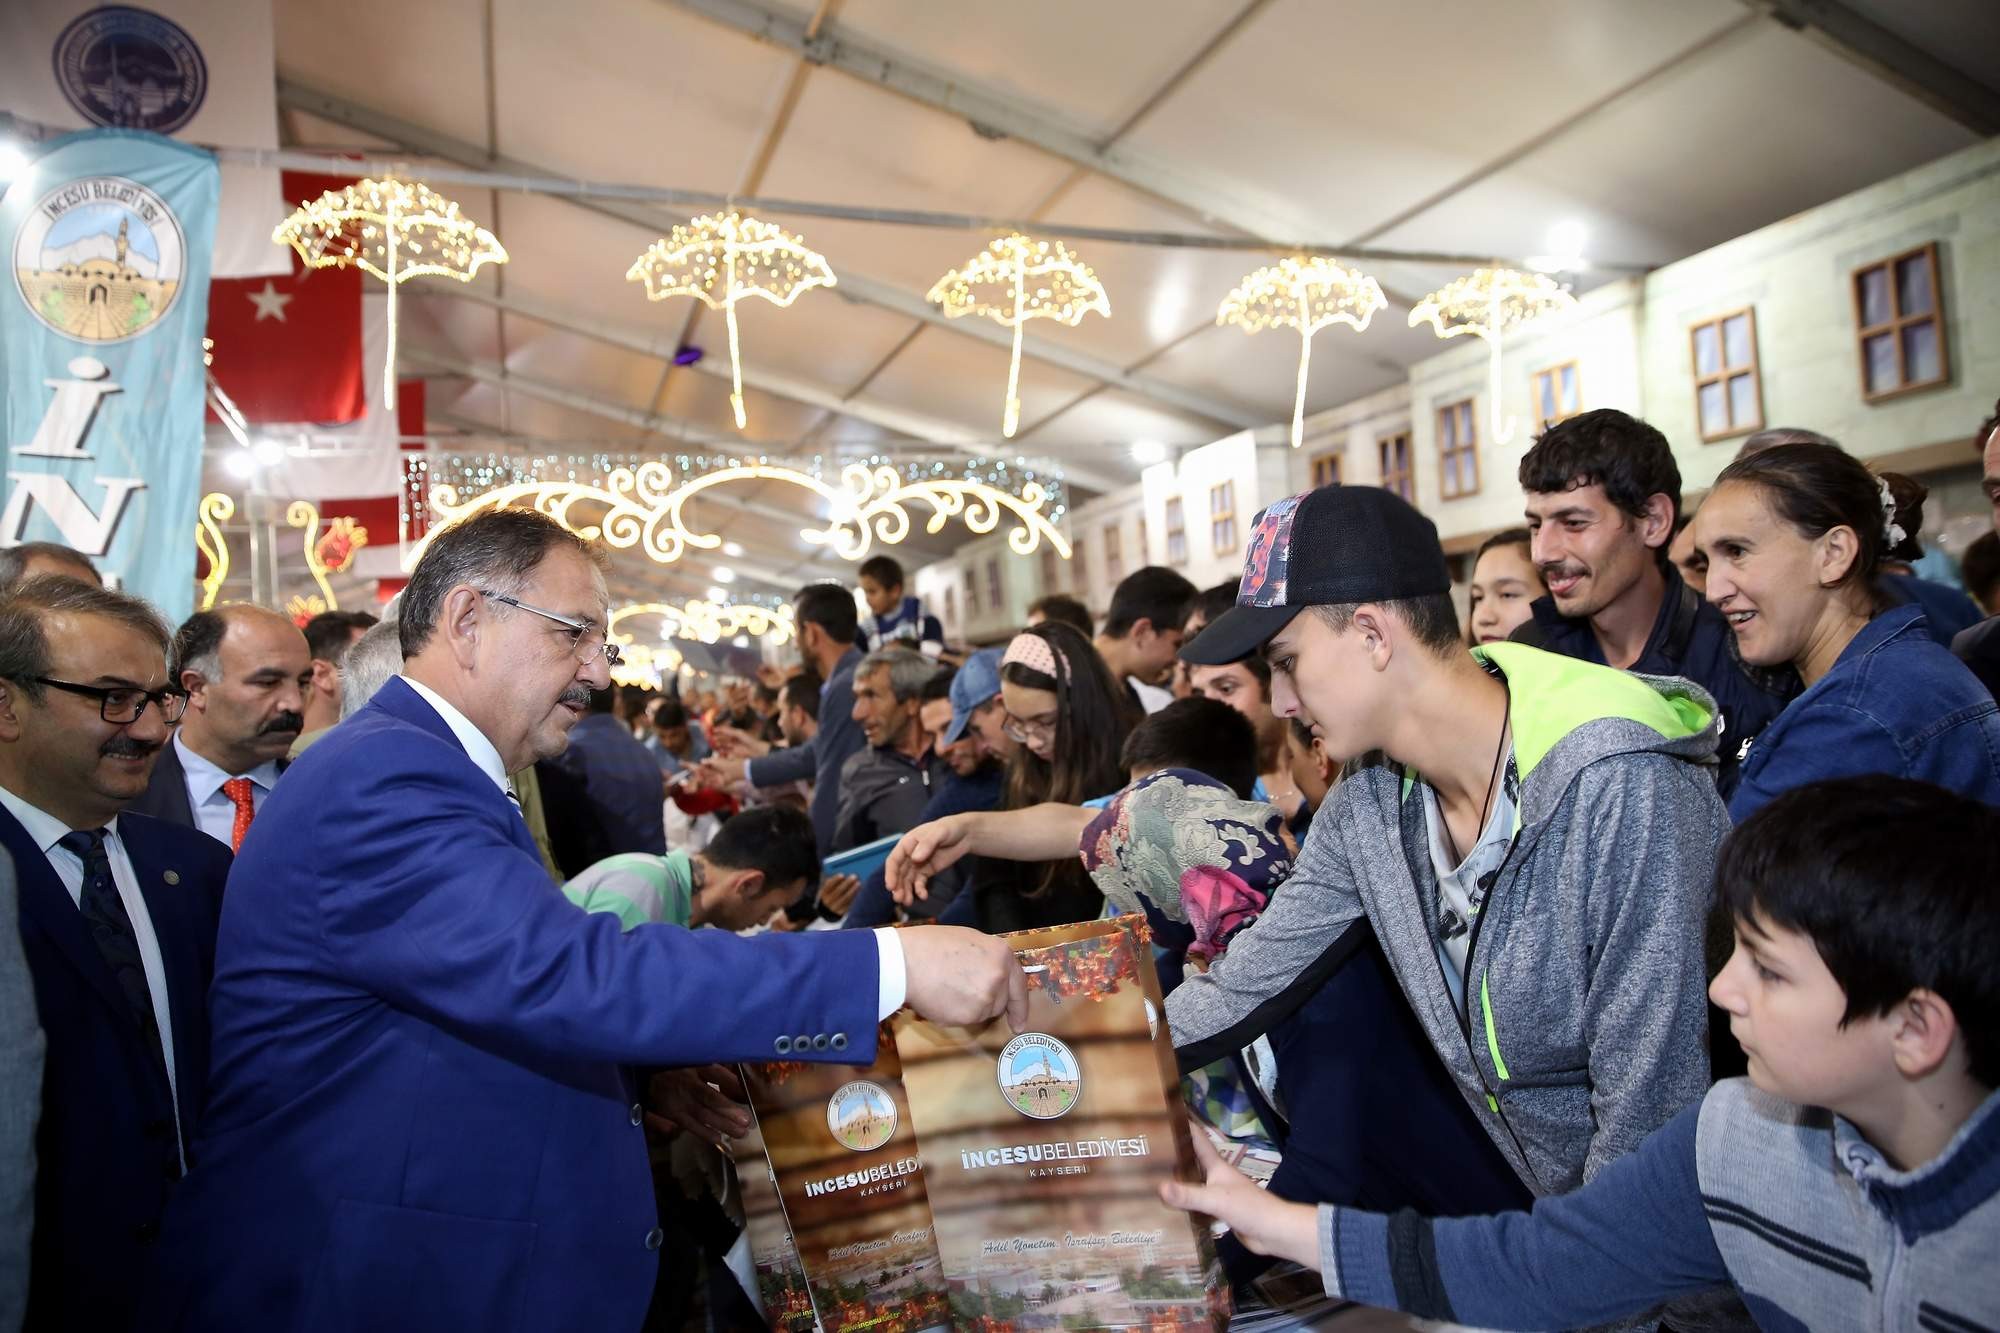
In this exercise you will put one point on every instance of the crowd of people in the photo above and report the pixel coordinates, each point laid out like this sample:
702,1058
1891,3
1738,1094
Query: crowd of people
1641,921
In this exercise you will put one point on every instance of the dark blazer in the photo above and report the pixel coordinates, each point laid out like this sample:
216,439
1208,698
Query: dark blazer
166,796
617,783
105,1148
417,1117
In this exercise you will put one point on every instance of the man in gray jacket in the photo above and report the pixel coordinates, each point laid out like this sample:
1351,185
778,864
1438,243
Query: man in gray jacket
885,785
1534,852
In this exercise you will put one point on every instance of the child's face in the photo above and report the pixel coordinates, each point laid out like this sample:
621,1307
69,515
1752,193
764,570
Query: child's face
881,600
1785,1008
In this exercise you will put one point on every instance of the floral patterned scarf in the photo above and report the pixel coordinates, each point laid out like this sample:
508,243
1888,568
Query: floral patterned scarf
1181,845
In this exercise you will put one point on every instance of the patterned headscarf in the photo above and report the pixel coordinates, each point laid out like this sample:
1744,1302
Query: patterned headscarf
1180,844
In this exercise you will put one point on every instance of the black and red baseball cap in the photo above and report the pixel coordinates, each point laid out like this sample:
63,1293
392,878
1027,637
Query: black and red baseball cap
1334,546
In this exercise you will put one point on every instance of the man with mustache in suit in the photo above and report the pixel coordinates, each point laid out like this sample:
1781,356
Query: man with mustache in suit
246,670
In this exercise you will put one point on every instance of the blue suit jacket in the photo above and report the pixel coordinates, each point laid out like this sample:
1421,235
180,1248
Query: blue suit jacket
417,1117
106,1157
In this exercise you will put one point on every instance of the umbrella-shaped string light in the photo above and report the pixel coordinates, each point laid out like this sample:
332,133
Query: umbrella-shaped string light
1307,295
723,258
396,230
1486,303
1014,280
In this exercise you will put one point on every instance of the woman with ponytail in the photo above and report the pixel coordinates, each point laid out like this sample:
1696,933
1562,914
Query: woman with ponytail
1796,536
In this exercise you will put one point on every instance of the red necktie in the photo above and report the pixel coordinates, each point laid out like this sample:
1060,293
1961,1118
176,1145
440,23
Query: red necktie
238,791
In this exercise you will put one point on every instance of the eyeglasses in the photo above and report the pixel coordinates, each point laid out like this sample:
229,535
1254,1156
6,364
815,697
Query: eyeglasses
1025,731
122,704
585,639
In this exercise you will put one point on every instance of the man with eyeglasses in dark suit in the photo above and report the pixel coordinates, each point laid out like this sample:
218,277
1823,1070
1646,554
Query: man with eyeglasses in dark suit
118,919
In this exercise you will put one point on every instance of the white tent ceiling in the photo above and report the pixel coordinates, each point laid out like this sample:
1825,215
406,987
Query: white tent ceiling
1455,125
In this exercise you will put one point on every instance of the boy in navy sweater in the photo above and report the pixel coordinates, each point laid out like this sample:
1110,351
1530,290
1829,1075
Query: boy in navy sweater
893,618
1852,1181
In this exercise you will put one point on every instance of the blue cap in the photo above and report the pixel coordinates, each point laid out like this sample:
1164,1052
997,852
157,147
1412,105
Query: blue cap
976,682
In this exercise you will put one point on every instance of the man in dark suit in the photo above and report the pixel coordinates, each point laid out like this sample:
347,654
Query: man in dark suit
246,671
118,916
21,1048
418,1114
613,783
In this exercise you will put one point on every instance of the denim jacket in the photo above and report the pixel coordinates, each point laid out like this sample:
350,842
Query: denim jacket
1896,702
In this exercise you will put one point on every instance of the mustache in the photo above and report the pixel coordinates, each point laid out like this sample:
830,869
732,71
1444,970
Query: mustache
576,695
125,747
1560,568
283,722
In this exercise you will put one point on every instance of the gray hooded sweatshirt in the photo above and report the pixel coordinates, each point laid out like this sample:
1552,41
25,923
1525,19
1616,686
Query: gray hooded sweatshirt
1586,992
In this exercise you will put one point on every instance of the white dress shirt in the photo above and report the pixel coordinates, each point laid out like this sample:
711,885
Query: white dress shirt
47,832
214,812
893,985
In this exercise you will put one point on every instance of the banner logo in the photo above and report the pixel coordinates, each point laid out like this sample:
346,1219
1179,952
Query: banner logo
100,259
131,68
1039,1076
861,1115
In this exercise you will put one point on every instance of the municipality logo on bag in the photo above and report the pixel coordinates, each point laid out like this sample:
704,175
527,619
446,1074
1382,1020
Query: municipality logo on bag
1039,1076
99,259
861,1115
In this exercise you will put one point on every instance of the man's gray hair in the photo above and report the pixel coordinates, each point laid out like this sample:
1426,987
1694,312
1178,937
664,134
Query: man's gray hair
24,641
908,671
1777,435
14,560
375,656
495,551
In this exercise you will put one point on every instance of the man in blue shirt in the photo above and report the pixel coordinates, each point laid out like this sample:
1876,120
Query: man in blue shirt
1602,493
825,617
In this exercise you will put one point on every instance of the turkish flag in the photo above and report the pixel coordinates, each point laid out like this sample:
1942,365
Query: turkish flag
288,348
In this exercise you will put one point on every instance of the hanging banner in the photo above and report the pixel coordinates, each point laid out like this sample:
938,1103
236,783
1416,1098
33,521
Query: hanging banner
201,71
107,238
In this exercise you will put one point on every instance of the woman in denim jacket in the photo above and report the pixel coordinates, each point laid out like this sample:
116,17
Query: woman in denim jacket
1795,537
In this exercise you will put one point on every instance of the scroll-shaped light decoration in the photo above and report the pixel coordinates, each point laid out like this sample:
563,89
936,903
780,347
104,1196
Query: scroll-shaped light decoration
1486,303
1307,295
1014,280
216,508
396,230
707,622
724,258
643,507
643,664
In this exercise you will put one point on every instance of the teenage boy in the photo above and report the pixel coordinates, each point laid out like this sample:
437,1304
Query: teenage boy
756,863
893,618
1603,492
1852,1181
1142,632
1533,853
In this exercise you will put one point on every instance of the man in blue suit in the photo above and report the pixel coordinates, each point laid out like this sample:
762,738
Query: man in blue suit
418,1116
118,918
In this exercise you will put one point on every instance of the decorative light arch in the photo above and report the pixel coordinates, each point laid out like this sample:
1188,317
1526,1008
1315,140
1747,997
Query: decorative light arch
642,507
708,622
